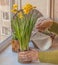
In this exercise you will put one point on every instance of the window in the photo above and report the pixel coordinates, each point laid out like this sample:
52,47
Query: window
5,15
5,22
5,30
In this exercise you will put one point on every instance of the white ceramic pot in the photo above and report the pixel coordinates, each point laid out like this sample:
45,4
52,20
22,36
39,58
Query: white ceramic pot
42,41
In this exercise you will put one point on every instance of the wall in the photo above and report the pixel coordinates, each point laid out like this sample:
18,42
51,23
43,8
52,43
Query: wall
56,10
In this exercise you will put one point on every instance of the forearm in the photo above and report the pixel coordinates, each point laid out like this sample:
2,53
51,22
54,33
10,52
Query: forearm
49,56
54,28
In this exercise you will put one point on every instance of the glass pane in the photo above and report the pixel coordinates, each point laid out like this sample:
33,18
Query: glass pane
5,15
5,19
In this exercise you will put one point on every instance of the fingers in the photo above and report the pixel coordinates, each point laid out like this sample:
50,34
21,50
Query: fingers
44,25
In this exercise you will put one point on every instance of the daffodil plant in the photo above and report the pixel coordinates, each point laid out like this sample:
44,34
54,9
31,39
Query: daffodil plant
22,23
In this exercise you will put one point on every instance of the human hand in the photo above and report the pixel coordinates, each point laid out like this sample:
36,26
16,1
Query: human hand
45,24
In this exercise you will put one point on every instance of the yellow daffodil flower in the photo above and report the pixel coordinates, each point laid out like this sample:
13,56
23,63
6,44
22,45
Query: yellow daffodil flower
27,8
14,11
20,15
15,6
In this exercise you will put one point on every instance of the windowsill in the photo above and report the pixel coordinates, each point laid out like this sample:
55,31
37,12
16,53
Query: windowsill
4,43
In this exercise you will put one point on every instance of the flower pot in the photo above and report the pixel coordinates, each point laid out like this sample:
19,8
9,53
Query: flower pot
15,45
28,56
